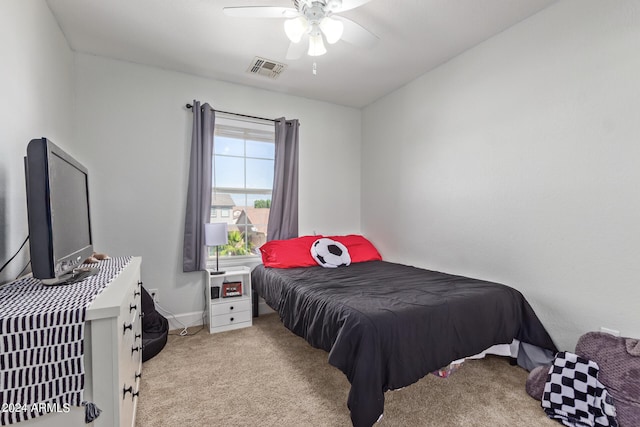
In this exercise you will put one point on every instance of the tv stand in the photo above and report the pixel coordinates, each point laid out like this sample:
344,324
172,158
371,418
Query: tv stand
79,274
74,276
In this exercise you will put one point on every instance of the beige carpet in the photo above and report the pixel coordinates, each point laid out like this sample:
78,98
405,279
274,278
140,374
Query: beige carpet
266,376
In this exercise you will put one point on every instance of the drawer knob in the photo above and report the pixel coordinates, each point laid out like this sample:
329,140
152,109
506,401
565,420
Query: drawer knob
231,308
134,395
132,307
140,283
137,336
231,320
135,293
125,327
134,349
138,375
126,390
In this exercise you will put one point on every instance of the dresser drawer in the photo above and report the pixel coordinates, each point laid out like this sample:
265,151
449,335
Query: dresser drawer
231,307
230,318
114,326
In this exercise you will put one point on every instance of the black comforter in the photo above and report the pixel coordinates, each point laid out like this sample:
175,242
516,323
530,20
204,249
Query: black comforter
387,325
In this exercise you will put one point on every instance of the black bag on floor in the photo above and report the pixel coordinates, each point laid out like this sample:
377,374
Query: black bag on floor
155,327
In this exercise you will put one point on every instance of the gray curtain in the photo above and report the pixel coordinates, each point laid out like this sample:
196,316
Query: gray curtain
198,212
283,215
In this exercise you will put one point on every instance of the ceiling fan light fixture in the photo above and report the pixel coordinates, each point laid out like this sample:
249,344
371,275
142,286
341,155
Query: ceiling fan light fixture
295,28
315,20
316,45
332,29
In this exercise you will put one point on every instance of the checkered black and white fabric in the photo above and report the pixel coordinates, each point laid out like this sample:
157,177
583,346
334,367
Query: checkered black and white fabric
574,396
41,342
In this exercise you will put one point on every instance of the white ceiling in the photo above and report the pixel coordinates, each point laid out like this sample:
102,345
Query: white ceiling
194,36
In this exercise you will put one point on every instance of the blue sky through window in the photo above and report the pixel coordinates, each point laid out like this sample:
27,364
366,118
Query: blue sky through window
233,170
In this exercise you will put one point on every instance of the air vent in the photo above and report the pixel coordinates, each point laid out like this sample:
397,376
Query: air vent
266,67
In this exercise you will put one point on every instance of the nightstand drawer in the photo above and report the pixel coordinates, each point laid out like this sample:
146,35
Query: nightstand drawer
230,318
231,307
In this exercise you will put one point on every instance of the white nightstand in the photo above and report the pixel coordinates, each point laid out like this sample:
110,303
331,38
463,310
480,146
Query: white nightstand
232,312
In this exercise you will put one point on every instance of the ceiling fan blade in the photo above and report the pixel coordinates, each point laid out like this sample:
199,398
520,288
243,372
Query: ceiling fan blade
350,4
356,34
260,12
296,50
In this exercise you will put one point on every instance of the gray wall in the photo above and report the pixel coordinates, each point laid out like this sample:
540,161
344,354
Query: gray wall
133,127
36,82
518,162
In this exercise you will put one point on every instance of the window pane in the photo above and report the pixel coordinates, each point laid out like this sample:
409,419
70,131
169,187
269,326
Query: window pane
237,244
259,173
240,199
228,172
243,164
228,146
264,150
256,237
262,201
250,200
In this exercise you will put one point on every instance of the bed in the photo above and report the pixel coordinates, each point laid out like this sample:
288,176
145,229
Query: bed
386,325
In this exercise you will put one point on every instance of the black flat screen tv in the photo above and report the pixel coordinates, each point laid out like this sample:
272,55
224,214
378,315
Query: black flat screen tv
58,213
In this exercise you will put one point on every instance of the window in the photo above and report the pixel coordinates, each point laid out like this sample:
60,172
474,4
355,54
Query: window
243,161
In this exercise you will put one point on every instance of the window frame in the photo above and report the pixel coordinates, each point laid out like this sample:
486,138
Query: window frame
246,130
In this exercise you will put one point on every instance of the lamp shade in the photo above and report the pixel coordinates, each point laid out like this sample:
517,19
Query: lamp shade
216,234
332,29
295,28
316,45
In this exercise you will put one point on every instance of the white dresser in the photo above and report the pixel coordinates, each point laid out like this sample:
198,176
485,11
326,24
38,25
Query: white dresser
112,356
113,335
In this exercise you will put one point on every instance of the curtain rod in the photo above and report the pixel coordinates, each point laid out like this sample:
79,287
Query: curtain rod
189,106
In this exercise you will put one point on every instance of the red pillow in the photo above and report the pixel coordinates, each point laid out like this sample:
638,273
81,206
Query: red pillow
360,249
289,253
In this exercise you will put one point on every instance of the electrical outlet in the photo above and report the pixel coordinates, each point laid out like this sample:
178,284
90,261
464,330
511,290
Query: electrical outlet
154,295
610,331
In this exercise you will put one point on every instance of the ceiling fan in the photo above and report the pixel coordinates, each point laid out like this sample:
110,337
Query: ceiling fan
311,22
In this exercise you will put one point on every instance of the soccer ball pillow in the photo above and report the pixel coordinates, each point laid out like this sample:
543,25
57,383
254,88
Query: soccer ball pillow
329,253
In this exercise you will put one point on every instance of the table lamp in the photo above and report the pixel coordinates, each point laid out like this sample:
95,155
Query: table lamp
216,234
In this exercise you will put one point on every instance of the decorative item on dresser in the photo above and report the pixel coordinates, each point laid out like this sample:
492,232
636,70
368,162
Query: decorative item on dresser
229,299
86,341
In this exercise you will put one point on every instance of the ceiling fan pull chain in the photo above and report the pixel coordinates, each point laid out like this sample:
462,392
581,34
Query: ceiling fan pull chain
315,68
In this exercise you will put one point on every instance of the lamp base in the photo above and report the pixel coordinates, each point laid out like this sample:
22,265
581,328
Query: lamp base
215,273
